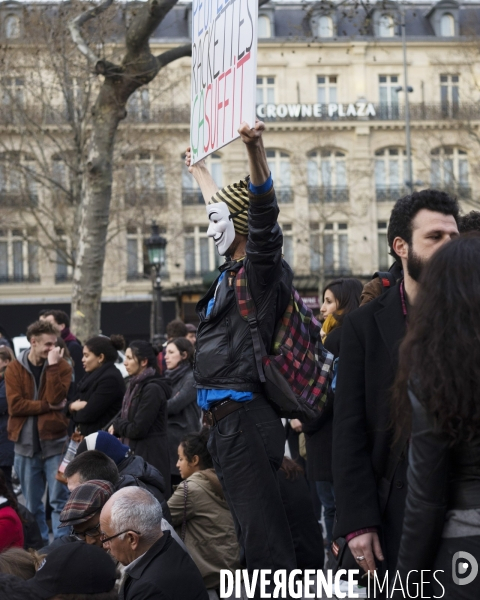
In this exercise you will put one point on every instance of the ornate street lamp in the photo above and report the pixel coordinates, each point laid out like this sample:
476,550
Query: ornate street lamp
156,249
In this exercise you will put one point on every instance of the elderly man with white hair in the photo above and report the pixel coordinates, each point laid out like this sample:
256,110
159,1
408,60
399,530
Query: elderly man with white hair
156,567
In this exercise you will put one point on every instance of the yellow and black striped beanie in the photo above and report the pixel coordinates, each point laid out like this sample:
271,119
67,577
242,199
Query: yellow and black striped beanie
235,197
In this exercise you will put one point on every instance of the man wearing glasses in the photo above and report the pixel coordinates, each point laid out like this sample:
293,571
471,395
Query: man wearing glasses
82,514
155,565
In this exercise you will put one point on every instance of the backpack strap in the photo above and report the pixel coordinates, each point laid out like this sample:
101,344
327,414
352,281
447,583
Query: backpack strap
386,279
248,311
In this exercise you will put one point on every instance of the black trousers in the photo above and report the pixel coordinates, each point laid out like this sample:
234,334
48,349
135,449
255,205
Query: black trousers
247,448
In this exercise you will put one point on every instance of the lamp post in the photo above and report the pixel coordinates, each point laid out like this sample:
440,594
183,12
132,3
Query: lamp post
156,247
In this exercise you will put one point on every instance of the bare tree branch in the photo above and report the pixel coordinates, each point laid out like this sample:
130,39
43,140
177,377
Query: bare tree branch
76,24
173,54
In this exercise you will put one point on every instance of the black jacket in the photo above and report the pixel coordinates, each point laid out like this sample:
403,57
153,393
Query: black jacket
103,389
146,425
440,478
224,350
318,433
6,446
362,435
165,572
147,475
183,412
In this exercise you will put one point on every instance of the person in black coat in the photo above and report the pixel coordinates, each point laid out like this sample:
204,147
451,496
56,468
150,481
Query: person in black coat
142,421
369,476
6,446
436,397
340,297
100,392
182,408
163,569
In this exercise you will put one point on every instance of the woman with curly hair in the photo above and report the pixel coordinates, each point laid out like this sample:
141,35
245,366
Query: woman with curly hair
436,399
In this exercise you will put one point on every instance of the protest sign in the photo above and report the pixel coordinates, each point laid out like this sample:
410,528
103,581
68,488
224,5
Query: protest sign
224,66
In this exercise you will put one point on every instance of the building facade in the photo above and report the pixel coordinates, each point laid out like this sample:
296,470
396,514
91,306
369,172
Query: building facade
331,89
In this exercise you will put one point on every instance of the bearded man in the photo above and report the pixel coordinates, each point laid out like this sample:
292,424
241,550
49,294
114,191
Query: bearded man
247,438
369,475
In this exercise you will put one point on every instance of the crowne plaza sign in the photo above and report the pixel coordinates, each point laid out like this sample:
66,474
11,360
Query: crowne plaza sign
332,110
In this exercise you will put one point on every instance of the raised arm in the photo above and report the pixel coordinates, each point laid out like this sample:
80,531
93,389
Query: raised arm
202,176
257,159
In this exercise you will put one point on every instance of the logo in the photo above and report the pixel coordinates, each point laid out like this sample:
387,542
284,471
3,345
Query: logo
462,562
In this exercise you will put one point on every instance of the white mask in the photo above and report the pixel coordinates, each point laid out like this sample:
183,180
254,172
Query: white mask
221,227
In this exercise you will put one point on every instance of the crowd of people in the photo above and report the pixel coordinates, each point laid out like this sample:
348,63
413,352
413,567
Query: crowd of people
150,487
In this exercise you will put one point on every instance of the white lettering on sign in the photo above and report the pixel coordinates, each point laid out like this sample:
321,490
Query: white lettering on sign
333,110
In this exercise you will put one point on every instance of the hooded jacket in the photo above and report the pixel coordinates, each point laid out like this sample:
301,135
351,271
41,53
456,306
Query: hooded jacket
25,401
210,534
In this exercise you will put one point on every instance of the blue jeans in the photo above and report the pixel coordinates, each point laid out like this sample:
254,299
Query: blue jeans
34,473
325,493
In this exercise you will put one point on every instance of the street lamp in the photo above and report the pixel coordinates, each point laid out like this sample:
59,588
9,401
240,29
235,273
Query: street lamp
156,249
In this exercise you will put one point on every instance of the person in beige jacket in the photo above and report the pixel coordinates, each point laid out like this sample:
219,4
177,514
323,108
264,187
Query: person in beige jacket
200,513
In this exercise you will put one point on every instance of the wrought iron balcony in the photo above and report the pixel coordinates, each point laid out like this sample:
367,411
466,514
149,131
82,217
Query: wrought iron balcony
284,195
192,197
157,198
5,279
317,195
390,193
17,200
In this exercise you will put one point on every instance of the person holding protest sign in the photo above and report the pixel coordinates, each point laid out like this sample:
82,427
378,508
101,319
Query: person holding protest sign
247,438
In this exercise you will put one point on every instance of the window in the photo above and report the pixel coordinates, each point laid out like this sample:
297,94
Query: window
315,251
264,27
386,26
449,94
145,180
391,172
388,96
326,89
447,25
18,256
335,249
76,95
449,170
279,163
138,106
288,252
201,255
191,193
18,186
137,257
325,26
12,27
265,90
327,177
384,258
12,92
64,257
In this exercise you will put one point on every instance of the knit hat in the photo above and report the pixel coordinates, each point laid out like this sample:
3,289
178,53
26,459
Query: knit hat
85,500
236,198
106,443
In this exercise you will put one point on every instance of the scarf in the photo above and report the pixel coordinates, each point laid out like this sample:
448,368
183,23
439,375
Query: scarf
88,379
173,376
132,389
329,325
67,335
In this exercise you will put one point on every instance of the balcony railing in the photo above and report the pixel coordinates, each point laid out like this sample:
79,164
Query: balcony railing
157,198
192,197
317,195
461,191
63,278
4,279
284,195
333,273
390,193
17,200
